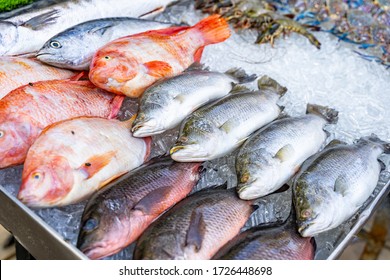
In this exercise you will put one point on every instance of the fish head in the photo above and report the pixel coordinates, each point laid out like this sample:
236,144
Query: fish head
146,126
17,133
46,180
8,36
111,70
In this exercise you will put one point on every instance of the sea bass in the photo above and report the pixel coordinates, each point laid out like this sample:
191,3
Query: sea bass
335,183
166,104
195,228
17,71
75,47
72,159
130,64
270,157
140,197
220,127
26,33
27,110
269,242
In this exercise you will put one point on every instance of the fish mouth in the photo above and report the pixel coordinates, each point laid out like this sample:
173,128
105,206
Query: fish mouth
189,153
145,129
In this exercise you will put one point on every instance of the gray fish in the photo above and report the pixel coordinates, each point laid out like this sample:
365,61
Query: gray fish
270,157
218,128
37,4
269,242
165,104
195,228
75,47
334,184
117,216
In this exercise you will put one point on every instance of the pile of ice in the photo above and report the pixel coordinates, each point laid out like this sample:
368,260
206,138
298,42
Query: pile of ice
333,76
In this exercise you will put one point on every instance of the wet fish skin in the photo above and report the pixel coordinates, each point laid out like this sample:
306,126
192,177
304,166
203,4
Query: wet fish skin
18,71
196,227
72,159
74,47
273,242
27,110
218,128
270,157
37,26
121,213
333,184
165,104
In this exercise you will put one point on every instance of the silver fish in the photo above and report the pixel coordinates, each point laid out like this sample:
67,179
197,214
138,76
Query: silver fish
275,153
335,183
75,47
167,103
27,32
217,129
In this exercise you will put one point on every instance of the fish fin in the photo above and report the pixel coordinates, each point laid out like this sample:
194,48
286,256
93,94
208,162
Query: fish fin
240,75
196,66
196,229
158,69
96,163
42,20
153,13
329,114
198,54
129,123
150,204
226,126
335,142
285,153
100,30
340,186
239,89
214,29
116,105
267,83
180,98
77,76
382,164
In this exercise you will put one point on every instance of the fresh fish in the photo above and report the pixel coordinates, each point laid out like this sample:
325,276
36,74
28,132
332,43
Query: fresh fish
335,183
72,159
166,104
275,153
27,32
218,128
130,64
16,72
27,110
117,216
37,4
269,242
195,228
75,47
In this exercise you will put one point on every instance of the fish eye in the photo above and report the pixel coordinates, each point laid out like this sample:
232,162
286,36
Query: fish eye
55,44
36,175
1,133
90,224
107,57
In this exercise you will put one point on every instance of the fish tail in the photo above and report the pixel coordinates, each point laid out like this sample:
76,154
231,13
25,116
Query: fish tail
240,75
329,114
266,83
214,29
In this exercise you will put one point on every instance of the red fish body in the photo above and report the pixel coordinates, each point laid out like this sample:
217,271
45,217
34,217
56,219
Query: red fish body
130,64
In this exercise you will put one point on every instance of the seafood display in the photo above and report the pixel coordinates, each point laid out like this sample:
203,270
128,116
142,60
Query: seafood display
141,196
37,26
17,71
130,64
75,47
196,227
27,110
66,164
217,129
274,154
333,184
166,104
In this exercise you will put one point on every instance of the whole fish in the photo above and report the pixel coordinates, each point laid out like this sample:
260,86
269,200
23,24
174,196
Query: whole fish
218,128
281,242
166,104
75,47
27,32
17,71
335,183
270,157
139,198
27,110
72,159
195,228
130,64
